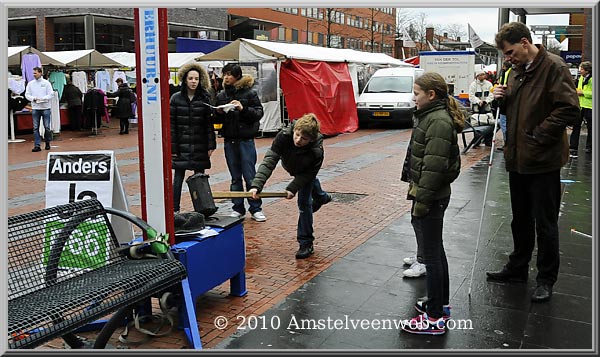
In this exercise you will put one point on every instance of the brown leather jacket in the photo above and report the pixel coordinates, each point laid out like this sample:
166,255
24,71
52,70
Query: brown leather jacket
540,103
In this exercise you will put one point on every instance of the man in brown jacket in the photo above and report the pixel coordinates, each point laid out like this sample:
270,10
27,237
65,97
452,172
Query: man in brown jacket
540,101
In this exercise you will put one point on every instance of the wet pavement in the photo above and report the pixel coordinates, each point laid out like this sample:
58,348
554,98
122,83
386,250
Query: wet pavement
348,305
355,275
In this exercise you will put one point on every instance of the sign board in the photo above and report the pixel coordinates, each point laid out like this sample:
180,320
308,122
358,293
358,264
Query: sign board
76,176
571,56
457,68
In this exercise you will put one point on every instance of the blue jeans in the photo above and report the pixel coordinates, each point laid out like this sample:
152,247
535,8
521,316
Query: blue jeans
306,194
241,162
36,114
438,281
502,122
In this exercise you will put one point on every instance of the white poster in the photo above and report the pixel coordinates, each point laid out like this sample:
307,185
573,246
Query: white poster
75,176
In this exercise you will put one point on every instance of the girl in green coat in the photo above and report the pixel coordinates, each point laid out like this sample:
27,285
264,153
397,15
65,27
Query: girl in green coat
434,164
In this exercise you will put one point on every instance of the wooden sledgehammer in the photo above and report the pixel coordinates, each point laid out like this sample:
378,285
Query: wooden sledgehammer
242,194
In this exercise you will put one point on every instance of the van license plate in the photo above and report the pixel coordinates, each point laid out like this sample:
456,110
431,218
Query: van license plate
381,114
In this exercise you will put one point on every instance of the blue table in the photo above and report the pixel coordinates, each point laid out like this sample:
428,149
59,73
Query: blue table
209,263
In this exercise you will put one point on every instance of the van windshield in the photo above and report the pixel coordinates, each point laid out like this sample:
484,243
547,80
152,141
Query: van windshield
395,84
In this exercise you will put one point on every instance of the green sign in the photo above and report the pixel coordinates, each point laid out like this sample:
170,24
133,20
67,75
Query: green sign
85,248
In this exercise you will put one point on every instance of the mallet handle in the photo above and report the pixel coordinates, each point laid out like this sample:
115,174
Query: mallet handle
241,194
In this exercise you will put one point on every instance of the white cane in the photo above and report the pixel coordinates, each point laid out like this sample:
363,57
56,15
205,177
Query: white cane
487,181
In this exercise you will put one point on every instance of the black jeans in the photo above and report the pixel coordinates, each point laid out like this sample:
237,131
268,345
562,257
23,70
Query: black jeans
586,114
177,186
438,281
124,125
535,201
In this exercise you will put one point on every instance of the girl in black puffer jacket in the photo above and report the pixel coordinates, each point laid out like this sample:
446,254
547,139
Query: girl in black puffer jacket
192,135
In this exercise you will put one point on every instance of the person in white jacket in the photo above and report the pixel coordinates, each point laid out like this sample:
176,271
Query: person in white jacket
39,92
480,93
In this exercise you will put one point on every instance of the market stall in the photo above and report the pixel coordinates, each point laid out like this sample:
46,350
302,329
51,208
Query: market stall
312,79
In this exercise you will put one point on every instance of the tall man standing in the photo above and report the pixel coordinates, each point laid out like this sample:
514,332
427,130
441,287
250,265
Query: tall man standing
39,92
540,101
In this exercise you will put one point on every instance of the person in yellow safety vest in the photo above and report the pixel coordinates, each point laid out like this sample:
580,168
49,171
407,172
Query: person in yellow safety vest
502,80
584,91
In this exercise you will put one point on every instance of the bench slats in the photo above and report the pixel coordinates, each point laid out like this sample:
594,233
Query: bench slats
66,269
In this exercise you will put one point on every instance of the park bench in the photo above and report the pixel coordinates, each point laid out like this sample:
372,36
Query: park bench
66,270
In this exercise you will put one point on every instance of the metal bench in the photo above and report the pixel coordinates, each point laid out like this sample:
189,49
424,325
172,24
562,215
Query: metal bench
66,269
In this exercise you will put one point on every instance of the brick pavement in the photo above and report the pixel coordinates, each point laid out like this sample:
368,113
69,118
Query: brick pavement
366,163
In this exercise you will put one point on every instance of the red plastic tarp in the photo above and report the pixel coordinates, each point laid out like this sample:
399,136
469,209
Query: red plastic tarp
322,88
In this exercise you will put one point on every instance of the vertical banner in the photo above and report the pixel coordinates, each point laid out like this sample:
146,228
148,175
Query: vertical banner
151,47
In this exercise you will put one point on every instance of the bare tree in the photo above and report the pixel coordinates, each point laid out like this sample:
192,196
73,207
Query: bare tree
417,30
454,30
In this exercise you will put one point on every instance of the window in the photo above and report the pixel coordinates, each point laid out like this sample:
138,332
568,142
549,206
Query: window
281,36
294,35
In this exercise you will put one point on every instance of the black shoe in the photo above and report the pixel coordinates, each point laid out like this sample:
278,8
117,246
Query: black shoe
305,252
588,150
506,275
121,133
573,153
500,148
47,147
542,293
316,205
36,149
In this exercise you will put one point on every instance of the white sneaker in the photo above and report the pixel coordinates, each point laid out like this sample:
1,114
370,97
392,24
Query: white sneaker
258,216
235,214
416,270
410,260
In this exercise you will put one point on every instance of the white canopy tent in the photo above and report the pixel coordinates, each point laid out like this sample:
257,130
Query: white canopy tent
246,50
16,53
176,60
83,58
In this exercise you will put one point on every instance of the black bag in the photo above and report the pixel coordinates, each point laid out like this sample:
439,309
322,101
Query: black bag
202,198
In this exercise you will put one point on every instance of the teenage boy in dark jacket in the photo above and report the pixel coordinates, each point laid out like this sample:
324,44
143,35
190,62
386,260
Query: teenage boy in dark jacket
240,127
300,148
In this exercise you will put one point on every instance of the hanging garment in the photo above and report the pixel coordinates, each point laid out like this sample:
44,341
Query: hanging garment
16,85
28,62
58,81
118,74
103,80
80,81
55,113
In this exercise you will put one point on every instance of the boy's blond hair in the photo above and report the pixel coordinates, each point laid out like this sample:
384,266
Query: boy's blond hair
308,125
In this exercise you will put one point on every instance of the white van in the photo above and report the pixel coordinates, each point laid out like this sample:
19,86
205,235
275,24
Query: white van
388,97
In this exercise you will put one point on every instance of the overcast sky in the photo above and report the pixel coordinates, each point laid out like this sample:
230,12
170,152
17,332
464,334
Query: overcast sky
484,21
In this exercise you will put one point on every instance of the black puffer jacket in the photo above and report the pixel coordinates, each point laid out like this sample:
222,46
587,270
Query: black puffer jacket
301,162
242,124
192,134
125,95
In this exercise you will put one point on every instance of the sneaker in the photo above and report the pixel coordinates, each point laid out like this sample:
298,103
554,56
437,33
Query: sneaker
573,153
235,214
421,306
258,216
305,252
410,260
316,205
47,146
423,325
36,149
416,270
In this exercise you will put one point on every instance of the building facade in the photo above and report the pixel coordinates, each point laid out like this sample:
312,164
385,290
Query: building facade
364,29
104,29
